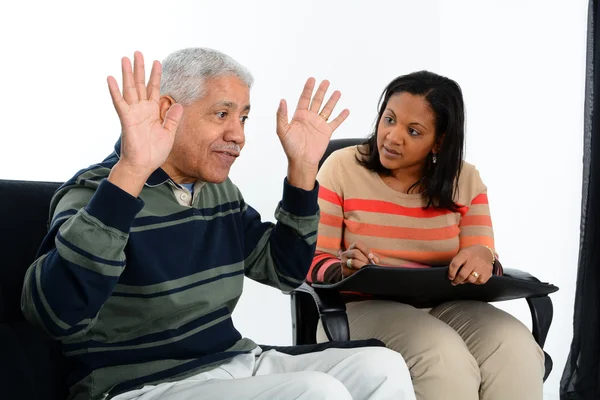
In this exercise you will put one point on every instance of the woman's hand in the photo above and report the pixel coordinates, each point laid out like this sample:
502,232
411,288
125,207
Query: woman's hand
357,256
471,265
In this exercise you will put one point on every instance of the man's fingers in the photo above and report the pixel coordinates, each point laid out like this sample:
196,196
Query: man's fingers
129,92
339,119
282,117
331,103
121,105
328,110
317,100
173,117
139,75
154,82
304,101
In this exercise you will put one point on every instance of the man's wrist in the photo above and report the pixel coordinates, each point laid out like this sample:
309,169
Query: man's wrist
301,175
128,179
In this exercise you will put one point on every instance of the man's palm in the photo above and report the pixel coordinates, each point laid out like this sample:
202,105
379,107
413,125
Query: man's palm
146,140
306,137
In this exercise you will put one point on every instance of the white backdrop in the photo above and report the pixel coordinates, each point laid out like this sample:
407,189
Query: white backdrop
520,64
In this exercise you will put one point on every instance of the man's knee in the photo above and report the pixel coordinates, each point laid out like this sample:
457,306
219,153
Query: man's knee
317,385
381,361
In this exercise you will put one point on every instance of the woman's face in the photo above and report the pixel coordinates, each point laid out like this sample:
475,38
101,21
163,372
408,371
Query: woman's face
406,133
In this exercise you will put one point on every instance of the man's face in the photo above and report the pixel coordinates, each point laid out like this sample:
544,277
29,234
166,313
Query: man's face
210,135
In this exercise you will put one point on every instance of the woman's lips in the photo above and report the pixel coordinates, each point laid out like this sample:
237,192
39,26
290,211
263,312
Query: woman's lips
391,153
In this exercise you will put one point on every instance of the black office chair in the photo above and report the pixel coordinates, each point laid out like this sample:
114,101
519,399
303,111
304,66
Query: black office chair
417,287
33,366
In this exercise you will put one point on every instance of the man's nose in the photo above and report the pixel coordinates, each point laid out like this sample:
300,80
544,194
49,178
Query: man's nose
235,132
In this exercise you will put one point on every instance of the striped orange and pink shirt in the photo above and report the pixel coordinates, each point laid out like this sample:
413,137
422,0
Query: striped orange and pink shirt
357,205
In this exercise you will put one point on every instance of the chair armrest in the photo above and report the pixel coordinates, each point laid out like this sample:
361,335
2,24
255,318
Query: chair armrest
518,274
325,300
332,310
541,317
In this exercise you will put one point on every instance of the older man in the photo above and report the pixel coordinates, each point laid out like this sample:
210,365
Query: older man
146,253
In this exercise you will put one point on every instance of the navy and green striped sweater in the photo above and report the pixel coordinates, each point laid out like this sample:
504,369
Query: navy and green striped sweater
141,290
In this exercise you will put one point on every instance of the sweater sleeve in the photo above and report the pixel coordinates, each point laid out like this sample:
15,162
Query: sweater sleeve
326,266
279,254
476,223
80,260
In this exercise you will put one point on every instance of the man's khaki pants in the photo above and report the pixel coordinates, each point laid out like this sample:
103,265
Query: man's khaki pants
462,350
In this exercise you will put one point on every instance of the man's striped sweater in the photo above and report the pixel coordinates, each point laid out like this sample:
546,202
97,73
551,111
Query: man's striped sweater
141,290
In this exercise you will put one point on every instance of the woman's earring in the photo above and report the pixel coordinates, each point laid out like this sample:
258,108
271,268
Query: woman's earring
434,158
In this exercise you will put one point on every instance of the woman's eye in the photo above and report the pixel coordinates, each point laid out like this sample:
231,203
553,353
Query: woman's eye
413,132
389,120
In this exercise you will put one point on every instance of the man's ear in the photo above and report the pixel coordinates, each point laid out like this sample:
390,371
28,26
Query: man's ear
164,103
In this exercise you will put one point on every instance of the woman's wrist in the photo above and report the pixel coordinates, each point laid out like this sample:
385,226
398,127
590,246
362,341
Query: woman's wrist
492,253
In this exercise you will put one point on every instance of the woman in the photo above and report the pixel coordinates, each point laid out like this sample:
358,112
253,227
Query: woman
406,198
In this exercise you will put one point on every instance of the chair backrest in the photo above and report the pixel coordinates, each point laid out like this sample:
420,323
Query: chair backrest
337,144
32,364
24,215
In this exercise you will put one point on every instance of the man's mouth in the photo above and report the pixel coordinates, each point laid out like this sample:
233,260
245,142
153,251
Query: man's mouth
230,153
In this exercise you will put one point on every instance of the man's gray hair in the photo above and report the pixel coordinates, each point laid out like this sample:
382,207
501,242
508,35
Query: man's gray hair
185,72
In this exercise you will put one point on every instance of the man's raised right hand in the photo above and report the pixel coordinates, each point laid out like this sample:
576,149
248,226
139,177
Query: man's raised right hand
146,139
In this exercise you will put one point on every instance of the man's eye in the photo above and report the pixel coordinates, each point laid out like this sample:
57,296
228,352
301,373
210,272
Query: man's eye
221,114
244,119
